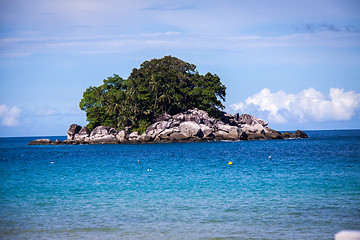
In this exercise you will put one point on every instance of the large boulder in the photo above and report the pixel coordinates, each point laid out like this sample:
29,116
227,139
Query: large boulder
177,137
73,129
161,125
301,134
190,129
121,136
82,135
167,132
99,132
106,139
207,131
273,134
133,137
227,132
246,119
195,115
144,138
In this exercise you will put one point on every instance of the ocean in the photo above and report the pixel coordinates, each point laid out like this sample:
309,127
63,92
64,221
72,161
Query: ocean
308,189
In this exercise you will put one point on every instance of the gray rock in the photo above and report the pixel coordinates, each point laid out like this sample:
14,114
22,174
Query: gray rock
177,137
106,139
143,138
73,129
190,129
133,135
166,133
121,136
162,125
207,131
99,132
250,120
82,135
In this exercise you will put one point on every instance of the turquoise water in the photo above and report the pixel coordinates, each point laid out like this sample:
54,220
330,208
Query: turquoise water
309,189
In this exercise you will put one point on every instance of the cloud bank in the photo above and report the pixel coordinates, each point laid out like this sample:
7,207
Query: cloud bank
307,106
9,117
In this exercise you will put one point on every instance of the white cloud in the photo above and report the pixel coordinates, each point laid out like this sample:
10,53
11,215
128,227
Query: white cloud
9,116
46,111
306,106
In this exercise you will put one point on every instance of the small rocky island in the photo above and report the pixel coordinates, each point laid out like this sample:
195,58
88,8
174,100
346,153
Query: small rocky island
190,126
163,101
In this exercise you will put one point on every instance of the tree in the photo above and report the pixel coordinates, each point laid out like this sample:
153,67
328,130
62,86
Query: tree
166,85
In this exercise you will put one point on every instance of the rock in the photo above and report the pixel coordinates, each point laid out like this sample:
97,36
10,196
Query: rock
166,133
163,117
273,134
227,132
41,142
73,129
195,115
106,139
255,128
288,135
255,136
153,133
246,119
207,131
99,132
177,137
113,131
190,129
143,138
133,137
162,125
82,135
301,134
190,126
121,136
297,134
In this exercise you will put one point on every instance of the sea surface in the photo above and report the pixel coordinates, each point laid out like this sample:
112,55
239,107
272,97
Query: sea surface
308,189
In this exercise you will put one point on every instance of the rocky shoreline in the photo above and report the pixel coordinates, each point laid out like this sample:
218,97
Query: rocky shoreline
190,126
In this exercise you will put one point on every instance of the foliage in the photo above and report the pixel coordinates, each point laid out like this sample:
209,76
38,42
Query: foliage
166,85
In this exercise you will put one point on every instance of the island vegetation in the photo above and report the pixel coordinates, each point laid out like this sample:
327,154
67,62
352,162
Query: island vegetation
160,86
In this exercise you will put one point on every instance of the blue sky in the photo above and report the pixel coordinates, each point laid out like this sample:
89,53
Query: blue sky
295,64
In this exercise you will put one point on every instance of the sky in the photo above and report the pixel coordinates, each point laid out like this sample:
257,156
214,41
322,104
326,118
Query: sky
295,64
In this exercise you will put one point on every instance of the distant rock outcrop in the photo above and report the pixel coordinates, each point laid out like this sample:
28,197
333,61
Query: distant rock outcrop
190,126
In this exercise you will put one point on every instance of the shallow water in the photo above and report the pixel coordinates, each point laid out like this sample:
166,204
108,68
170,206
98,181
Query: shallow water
309,189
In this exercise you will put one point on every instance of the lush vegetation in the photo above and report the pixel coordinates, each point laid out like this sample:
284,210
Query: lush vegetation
166,85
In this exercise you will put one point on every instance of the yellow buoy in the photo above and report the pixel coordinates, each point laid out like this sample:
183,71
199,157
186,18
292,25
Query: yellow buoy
230,163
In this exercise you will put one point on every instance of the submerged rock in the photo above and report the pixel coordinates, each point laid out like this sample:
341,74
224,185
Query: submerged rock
191,126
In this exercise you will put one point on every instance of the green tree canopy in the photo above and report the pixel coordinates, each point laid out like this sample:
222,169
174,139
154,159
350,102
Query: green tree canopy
166,85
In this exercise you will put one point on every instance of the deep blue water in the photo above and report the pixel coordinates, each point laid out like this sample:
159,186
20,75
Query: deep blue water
309,189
